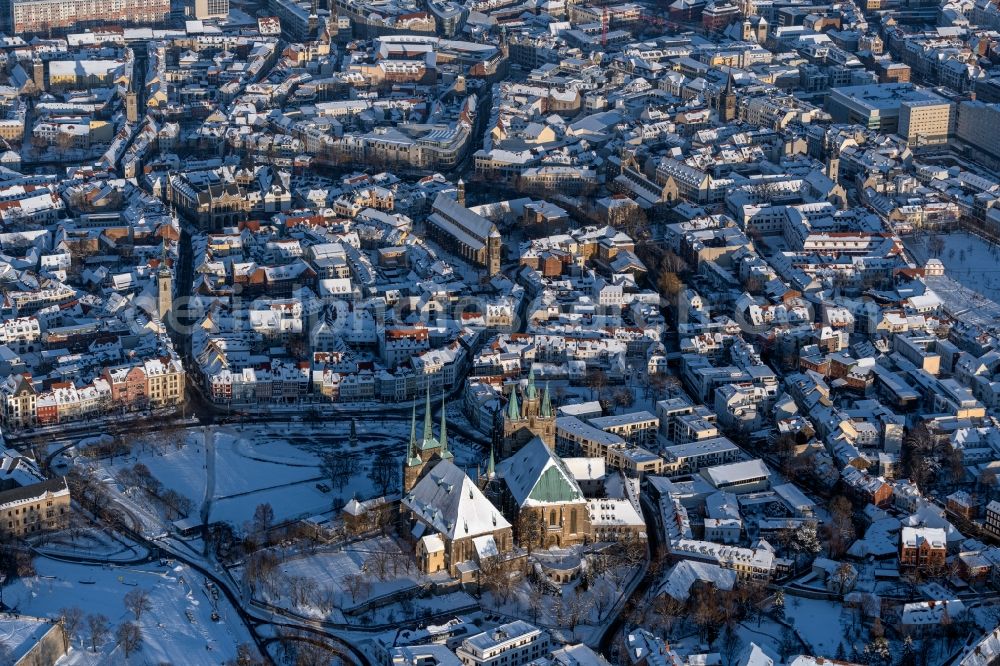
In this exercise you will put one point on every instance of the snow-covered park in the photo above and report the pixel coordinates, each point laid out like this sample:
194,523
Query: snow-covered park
968,259
223,473
176,625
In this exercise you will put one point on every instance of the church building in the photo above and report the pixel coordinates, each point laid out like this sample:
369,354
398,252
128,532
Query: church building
523,420
453,526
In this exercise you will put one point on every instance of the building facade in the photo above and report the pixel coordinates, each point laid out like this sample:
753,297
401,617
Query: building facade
39,507
471,236
44,16
521,421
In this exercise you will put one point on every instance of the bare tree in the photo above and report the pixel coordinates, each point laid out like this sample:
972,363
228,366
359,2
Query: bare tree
299,589
312,654
339,468
530,527
99,628
669,284
71,618
842,575
261,570
535,602
572,610
245,656
731,645
129,636
840,529
668,611
357,585
672,263
137,602
706,612
602,599
789,644
378,563
499,576
384,472
263,519
597,379
176,504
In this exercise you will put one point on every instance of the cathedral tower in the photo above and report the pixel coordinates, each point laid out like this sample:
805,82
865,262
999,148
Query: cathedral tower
423,454
531,417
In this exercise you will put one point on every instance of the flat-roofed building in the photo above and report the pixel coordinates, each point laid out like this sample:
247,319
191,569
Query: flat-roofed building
32,16
636,428
740,477
918,116
510,644
693,456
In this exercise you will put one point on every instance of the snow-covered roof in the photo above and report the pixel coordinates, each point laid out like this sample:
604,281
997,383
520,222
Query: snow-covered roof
738,472
448,500
535,476
586,469
686,573
754,655
432,543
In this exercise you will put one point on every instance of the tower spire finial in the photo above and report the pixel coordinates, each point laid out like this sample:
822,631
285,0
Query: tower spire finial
513,412
411,449
443,438
428,431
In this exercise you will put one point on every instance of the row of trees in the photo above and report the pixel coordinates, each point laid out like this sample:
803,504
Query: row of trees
262,576
128,635
139,477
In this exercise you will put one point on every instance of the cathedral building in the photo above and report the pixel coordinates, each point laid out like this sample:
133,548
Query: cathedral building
452,525
523,420
543,494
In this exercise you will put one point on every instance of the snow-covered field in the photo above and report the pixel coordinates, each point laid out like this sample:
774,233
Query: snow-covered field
330,569
378,562
178,628
967,258
236,468
818,622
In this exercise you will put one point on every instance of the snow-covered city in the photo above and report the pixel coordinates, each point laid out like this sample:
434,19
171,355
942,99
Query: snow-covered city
499,333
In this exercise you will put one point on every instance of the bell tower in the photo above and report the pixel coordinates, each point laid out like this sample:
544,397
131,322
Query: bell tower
164,287
533,417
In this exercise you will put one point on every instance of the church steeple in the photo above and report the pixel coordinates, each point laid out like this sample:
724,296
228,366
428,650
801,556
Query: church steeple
546,410
412,457
513,412
531,391
428,428
491,466
443,437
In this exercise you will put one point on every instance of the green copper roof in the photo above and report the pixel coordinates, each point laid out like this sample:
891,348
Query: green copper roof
491,466
443,437
428,442
546,408
552,486
513,412
412,459
531,391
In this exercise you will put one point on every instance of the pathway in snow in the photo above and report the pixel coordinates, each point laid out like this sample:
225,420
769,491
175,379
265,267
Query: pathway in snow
206,504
